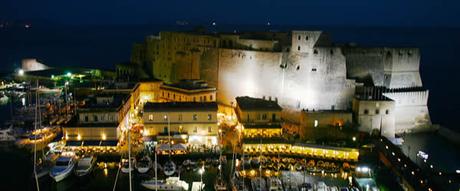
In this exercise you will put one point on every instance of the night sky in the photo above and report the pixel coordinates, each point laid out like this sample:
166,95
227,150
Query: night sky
286,12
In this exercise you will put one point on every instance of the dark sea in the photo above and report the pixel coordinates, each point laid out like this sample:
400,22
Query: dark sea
105,46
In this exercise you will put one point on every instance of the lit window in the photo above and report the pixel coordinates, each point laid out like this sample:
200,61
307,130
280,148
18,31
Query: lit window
209,116
150,117
316,123
210,97
209,129
180,129
195,117
165,117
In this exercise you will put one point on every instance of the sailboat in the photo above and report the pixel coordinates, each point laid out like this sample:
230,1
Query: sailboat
170,167
220,184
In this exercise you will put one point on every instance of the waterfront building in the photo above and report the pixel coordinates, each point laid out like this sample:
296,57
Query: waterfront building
194,123
187,91
101,119
259,117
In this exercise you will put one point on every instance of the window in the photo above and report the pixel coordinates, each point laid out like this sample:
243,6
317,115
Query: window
298,48
180,117
298,68
306,38
298,38
165,118
315,51
258,116
86,118
195,117
210,98
180,129
366,111
194,99
168,94
195,130
150,117
377,111
264,116
313,69
95,118
316,123
204,98
209,116
209,129
387,112
165,130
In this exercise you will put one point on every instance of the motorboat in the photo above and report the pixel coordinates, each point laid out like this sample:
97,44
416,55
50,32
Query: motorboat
170,184
274,184
85,165
144,164
169,168
63,168
125,165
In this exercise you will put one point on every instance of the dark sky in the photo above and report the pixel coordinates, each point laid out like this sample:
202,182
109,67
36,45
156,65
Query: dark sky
283,12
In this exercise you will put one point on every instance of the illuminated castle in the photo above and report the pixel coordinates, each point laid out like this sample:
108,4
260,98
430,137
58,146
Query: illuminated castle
300,69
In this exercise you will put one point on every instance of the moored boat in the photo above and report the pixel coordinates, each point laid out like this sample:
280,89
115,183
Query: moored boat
85,165
144,164
169,168
125,165
170,184
63,168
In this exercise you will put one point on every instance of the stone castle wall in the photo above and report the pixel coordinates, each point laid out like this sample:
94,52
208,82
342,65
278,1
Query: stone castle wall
389,67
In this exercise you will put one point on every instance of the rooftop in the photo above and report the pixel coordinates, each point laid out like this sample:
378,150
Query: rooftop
180,106
262,126
249,103
105,101
190,85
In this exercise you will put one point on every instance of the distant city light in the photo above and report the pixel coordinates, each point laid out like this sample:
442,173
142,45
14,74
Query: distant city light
354,138
69,74
21,72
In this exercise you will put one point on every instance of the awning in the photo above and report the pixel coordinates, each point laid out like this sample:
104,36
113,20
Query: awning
112,143
179,147
73,143
175,147
91,143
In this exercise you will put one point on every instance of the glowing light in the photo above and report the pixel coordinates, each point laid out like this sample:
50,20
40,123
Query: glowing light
21,72
106,172
316,123
79,137
69,74
103,137
354,138
23,101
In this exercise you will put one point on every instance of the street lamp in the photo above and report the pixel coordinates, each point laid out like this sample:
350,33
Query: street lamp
21,72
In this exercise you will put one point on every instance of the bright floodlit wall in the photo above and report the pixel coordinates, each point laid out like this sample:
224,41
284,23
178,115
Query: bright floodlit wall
268,132
333,153
375,116
411,109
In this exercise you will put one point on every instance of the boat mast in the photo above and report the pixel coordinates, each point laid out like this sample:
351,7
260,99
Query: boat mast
156,175
35,141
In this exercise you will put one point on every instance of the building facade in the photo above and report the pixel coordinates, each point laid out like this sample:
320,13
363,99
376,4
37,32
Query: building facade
196,121
188,91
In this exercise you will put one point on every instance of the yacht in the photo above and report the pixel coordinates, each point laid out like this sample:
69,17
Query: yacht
85,165
125,165
144,164
170,184
63,168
